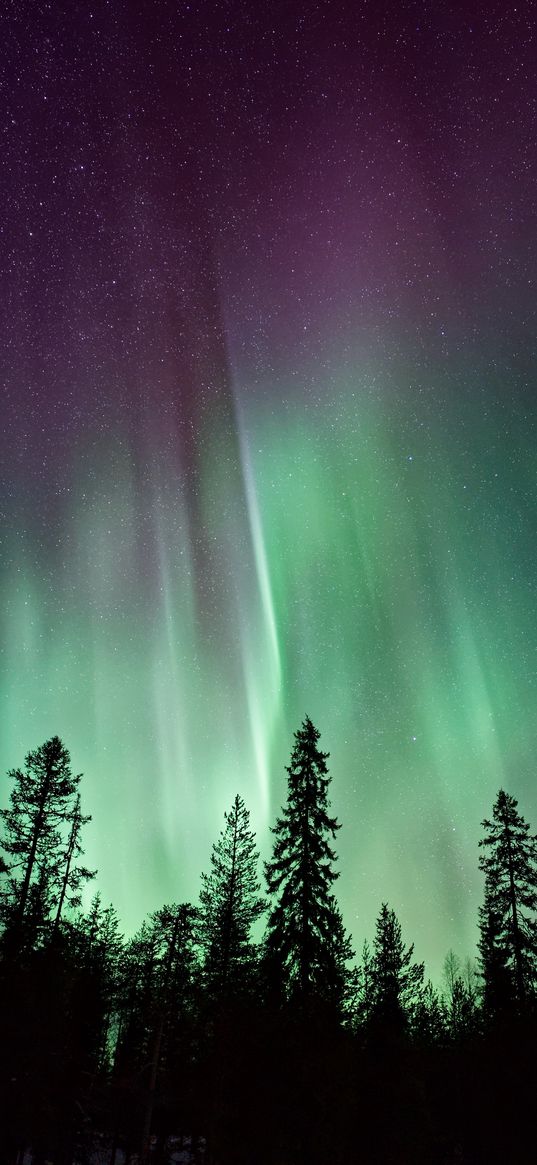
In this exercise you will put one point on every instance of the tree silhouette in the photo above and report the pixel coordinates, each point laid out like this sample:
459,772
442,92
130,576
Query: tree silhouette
47,1016
397,981
361,991
168,1041
429,1019
230,903
40,869
461,1012
175,968
72,876
508,935
156,996
98,955
451,970
306,947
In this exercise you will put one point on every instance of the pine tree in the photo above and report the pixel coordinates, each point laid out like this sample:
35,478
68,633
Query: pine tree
230,904
306,947
397,981
34,825
508,938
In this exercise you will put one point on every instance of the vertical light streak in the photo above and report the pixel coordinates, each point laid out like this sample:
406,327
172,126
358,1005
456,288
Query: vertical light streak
173,652
260,646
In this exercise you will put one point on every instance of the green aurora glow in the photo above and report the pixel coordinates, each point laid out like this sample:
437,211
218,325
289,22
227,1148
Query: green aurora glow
268,358
368,569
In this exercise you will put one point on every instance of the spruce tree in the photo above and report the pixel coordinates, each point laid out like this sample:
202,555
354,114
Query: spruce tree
306,947
508,938
397,980
230,903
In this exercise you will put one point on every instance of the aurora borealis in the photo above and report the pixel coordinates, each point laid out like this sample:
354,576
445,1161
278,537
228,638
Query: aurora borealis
268,356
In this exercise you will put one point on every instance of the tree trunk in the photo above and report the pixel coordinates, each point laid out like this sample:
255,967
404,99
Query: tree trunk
70,851
40,817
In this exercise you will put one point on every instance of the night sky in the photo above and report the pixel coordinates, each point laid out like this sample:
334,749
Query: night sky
268,294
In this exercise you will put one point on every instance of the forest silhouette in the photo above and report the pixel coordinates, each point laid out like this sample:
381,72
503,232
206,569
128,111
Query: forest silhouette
193,1042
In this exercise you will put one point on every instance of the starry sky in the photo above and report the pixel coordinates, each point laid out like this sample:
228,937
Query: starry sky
268,295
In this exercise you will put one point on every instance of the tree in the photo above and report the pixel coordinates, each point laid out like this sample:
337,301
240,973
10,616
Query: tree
156,1001
173,928
306,947
470,978
230,904
429,1018
508,934
451,971
463,1013
72,876
97,955
397,981
461,998
34,825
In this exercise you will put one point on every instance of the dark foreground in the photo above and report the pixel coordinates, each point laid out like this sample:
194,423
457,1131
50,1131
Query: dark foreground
277,1092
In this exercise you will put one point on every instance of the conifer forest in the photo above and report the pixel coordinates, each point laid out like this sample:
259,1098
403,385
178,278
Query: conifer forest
243,1027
